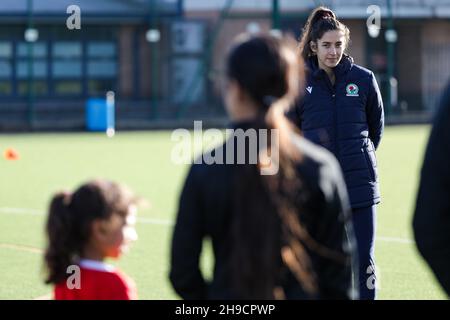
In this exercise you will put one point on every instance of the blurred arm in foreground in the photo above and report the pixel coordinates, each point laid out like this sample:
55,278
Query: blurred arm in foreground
432,214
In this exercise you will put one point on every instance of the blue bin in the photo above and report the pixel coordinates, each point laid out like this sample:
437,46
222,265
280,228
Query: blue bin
99,115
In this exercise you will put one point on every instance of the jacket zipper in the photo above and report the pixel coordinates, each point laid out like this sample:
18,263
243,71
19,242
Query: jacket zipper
333,98
336,134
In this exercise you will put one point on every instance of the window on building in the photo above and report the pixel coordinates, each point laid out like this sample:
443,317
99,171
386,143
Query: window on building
36,67
101,66
6,70
64,63
67,70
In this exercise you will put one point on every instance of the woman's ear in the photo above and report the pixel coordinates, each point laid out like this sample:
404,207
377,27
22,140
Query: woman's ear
234,88
239,93
313,46
233,93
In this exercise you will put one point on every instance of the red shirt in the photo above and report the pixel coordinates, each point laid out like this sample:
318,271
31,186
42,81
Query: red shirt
98,281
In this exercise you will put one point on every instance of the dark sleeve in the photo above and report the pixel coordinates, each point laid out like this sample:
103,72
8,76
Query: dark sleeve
337,270
432,214
185,274
294,114
375,112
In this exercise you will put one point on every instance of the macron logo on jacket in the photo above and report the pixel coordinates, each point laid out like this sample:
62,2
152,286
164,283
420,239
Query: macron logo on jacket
309,89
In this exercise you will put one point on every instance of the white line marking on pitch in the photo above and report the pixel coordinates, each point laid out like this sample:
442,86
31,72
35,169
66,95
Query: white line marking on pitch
20,211
33,212
21,248
165,222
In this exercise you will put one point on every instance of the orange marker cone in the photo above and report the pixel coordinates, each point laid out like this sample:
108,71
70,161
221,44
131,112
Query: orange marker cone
11,154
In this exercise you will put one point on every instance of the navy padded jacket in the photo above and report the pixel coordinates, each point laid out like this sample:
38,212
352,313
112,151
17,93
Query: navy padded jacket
348,120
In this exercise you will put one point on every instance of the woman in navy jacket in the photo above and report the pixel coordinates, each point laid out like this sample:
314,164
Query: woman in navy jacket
342,110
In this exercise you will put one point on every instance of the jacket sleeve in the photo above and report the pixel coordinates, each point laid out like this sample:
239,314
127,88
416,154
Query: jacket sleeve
185,274
375,112
338,271
294,114
432,213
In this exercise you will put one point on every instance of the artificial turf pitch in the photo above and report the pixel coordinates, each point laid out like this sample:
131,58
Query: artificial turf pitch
142,160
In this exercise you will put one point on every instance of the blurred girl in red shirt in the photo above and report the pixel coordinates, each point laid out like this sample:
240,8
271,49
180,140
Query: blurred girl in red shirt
83,228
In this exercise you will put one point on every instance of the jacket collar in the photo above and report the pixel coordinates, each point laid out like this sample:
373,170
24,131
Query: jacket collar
342,68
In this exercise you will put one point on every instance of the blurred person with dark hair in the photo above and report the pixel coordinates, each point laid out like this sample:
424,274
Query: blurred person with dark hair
431,222
342,111
282,235
84,228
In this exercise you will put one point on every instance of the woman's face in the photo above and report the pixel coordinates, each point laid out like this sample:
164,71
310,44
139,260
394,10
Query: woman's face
118,234
329,49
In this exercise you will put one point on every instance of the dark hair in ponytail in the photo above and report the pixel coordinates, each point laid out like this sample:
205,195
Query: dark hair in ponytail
259,59
320,21
266,228
70,217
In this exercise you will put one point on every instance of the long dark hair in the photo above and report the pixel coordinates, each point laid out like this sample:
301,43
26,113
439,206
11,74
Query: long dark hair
320,21
70,217
266,230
